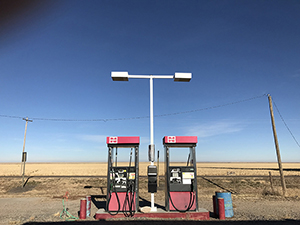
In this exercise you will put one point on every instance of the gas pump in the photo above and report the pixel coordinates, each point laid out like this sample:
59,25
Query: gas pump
122,181
181,192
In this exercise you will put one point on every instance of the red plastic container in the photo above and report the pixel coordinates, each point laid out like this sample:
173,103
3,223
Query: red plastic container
221,207
82,214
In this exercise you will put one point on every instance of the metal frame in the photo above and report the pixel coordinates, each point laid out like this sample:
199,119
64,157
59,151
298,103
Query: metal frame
192,147
111,148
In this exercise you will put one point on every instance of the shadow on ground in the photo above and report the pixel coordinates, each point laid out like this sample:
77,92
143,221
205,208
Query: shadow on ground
236,168
100,202
174,222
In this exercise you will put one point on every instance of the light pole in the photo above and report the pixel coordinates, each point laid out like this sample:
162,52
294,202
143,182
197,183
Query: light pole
124,76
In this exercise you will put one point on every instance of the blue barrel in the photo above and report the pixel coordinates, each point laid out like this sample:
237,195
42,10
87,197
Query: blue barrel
227,202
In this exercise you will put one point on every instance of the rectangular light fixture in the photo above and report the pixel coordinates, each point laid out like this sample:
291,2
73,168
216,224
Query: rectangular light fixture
185,77
119,76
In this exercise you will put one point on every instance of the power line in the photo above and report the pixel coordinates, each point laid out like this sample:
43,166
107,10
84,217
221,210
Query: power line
212,107
13,117
138,117
286,125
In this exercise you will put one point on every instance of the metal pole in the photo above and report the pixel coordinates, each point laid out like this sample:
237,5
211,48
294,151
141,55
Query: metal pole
277,147
153,208
116,161
136,164
109,173
151,117
157,168
167,178
24,158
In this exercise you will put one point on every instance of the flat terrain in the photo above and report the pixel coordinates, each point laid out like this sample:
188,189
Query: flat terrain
41,198
100,169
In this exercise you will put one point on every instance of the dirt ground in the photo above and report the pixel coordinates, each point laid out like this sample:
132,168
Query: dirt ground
40,201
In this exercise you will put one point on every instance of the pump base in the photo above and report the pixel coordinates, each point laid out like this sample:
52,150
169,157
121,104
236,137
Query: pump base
181,201
203,214
115,204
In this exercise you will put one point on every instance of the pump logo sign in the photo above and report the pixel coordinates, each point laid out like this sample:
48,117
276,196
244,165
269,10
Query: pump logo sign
171,139
113,140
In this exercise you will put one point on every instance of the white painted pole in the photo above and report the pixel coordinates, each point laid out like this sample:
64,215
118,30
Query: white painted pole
153,208
151,115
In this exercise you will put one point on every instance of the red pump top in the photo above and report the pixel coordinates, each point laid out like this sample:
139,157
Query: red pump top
122,140
180,139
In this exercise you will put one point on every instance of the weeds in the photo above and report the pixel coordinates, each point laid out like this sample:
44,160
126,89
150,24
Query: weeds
267,191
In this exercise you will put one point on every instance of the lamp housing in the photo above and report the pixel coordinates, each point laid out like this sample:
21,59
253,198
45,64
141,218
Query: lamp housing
183,77
119,76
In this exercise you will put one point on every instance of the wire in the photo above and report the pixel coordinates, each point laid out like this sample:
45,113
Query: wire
286,124
129,192
137,117
113,189
212,107
13,117
188,160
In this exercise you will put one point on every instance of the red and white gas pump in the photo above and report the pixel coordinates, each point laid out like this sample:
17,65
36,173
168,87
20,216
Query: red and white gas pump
122,181
181,192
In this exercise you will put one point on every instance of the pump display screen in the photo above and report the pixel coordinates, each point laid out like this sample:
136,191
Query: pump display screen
187,175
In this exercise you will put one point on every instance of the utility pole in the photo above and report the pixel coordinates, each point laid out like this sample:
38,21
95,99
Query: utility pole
158,168
277,147
24,154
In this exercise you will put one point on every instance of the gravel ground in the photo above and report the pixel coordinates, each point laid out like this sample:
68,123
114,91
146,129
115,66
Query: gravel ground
40,201
38,210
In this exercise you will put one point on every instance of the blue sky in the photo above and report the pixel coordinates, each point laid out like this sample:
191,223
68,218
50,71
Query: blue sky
56,58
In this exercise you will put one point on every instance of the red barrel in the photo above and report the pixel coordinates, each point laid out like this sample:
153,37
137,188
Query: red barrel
221,207
88,206
82,214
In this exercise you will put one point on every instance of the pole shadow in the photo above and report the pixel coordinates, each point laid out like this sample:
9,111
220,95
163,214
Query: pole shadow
143,202
99,203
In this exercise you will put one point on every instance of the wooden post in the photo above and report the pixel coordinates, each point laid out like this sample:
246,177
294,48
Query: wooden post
271,182
24,154
277,147
158,168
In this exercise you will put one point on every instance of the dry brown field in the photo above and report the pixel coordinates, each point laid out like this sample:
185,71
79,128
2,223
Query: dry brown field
230,177
100,169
